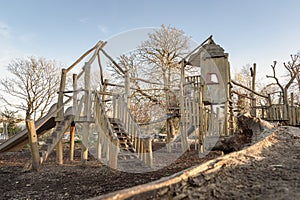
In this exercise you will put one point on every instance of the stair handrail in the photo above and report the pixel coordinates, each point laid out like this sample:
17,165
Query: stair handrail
101,112
124,108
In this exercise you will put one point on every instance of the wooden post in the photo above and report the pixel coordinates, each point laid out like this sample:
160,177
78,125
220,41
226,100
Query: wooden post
201,132
60,115
115,107
59,148
183,126
253,100
33,144
99,146
286,105
141,148
148,152
72,144
113,154
107,148
75,105
219,128
269,109
127,89
291,111
87,111
280,98
104,90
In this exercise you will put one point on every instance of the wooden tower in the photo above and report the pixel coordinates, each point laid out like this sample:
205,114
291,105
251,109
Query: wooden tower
214,68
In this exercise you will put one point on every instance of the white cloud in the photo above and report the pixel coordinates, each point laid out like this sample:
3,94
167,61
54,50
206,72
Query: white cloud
26,38
5,30
83,20
103,29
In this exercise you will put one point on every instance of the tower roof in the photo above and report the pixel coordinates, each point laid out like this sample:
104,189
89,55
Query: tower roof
208,49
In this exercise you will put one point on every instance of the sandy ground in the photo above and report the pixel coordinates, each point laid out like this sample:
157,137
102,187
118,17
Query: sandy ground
268,169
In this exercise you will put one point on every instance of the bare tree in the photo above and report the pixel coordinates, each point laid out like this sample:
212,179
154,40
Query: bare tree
161,53
293,68
34,83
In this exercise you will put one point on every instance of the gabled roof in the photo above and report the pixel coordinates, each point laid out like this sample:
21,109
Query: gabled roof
210,49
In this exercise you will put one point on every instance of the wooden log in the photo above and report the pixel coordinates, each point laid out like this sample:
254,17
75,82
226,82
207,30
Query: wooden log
35,156
115,110
75,104
148,152
83,56
291,111
201,128
113,158
138,146
84,147
112,60
72,144
60,114
87,111
141,149
99,146
127,89
59,151
238,84
253,101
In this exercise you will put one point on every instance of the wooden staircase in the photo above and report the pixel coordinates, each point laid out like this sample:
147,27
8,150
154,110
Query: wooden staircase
56,135
128,158
124,138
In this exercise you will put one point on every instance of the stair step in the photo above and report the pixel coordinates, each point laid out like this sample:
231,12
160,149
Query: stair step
49,140
127,156
124,145
44,147
120,132
54,134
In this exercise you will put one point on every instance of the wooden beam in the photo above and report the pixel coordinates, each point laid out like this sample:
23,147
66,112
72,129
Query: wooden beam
83,56
242,95
194,50
238,84
112,60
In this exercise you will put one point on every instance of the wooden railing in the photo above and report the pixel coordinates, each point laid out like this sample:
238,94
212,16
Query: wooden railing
142,143
107,139
294,116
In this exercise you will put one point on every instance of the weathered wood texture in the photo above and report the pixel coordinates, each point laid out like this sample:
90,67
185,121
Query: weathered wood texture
33,142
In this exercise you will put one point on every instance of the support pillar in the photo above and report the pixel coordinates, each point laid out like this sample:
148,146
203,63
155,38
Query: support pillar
72,143
35,156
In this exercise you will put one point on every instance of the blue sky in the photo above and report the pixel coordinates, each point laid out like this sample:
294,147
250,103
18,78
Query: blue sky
250,31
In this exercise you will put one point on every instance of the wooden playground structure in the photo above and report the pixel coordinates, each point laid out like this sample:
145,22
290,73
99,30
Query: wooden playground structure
108,129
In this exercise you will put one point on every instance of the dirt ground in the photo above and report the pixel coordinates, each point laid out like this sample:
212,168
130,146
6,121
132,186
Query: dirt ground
74,180
269,169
